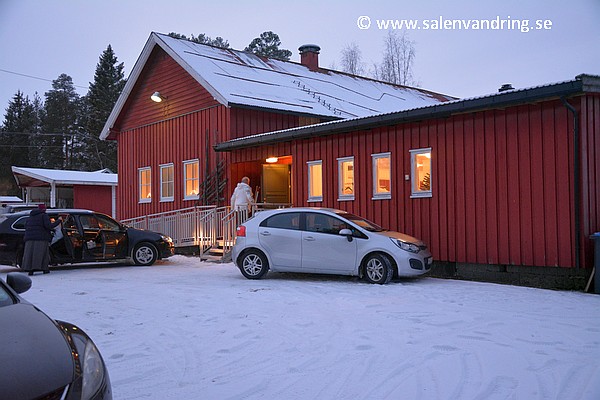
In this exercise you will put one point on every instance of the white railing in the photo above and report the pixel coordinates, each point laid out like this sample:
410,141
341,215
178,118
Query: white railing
230,222
192,226
206,226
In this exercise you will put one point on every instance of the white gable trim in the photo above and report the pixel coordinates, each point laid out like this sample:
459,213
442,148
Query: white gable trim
215,94
153,40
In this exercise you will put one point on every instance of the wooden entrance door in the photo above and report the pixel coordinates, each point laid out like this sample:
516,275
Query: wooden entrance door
276,183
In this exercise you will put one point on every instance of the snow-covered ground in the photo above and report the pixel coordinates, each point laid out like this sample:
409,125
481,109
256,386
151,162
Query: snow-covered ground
184,329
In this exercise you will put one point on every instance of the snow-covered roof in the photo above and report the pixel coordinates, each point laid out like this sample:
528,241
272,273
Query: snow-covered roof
45,177
581,83
10,199
235,77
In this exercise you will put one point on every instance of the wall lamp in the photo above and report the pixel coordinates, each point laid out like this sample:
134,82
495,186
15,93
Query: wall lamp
272,160
157,97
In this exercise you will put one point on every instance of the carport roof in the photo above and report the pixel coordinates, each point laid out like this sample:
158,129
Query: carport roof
39,177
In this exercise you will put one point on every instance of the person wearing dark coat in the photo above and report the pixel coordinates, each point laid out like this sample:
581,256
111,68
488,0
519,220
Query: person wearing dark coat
38,234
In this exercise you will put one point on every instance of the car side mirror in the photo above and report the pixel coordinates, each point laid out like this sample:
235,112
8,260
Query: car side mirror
18,282
347,233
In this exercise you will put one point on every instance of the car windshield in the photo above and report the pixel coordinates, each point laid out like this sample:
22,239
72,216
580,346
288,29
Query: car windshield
363,223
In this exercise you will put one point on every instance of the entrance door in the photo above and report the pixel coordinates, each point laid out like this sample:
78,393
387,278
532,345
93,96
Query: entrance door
276,183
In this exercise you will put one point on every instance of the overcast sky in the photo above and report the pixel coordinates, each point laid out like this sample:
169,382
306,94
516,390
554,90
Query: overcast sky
42,38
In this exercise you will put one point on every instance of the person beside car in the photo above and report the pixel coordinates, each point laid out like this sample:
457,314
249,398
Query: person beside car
38,234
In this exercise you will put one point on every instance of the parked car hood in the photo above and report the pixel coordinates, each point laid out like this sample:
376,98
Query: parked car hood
31,335
402,236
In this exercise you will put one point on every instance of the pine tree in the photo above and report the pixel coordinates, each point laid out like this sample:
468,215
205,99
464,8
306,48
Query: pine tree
267,45
19,122
97,105
204,39
62,108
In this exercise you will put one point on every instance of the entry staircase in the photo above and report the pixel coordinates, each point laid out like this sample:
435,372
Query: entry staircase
208,229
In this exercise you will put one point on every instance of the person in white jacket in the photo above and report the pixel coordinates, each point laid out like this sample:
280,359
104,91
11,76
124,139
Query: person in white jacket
242,195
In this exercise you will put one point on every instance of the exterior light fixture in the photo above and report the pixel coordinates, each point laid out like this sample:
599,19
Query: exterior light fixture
156,97
272,160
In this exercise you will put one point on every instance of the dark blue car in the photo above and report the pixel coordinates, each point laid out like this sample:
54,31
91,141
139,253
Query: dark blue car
85,236
42,358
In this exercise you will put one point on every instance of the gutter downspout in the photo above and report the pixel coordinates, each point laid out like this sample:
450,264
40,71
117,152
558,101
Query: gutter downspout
576,182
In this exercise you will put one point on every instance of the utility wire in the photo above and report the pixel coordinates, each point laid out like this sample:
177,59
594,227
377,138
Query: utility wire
36,77
43,134
6,146
35,133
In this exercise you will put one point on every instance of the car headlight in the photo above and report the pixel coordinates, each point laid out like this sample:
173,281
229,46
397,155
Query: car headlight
166,238
93,370
406,246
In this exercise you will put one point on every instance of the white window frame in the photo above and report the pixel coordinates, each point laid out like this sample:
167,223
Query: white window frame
341,195
414,179
186,196
140,185
376,194
311,196
164,198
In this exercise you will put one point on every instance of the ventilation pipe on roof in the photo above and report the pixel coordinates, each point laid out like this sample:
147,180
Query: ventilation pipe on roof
309,56
576,182
505,87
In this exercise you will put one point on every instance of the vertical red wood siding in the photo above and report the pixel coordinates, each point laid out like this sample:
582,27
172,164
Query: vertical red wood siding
590,142
502,181
245,122
172,141
97,198
183,94
176,130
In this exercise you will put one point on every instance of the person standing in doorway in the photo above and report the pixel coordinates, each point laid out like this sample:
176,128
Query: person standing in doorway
38,234
242,195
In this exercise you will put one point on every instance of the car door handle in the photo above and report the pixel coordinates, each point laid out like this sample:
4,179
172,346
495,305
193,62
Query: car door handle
265,233
309,239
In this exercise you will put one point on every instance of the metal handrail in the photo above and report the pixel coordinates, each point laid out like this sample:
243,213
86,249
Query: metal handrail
202,226
230,223
187,226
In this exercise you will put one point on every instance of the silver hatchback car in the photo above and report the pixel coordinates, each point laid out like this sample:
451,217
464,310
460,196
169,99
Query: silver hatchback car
326,241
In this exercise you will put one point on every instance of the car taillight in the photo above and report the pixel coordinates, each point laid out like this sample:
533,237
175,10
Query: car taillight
241,231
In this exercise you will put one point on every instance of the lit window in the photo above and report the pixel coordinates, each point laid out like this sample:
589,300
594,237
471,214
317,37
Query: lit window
420,161
315,180
166,182
382,176
145,185
191,179
346,178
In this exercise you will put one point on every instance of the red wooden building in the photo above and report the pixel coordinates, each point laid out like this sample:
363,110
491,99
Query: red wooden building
502,187
210,95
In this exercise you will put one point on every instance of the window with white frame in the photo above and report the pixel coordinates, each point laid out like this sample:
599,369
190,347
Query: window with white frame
167,182
191,179
382,176
346,178
420,161
144,185
315,180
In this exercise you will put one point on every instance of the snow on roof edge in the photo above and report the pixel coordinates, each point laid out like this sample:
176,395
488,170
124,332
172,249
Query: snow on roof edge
456,101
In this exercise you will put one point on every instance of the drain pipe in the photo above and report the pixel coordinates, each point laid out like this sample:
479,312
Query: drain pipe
576,182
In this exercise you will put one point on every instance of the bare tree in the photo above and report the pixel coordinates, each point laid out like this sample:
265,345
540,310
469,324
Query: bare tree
398,59
352,60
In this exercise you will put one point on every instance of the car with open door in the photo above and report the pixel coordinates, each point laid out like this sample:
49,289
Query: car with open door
85,236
